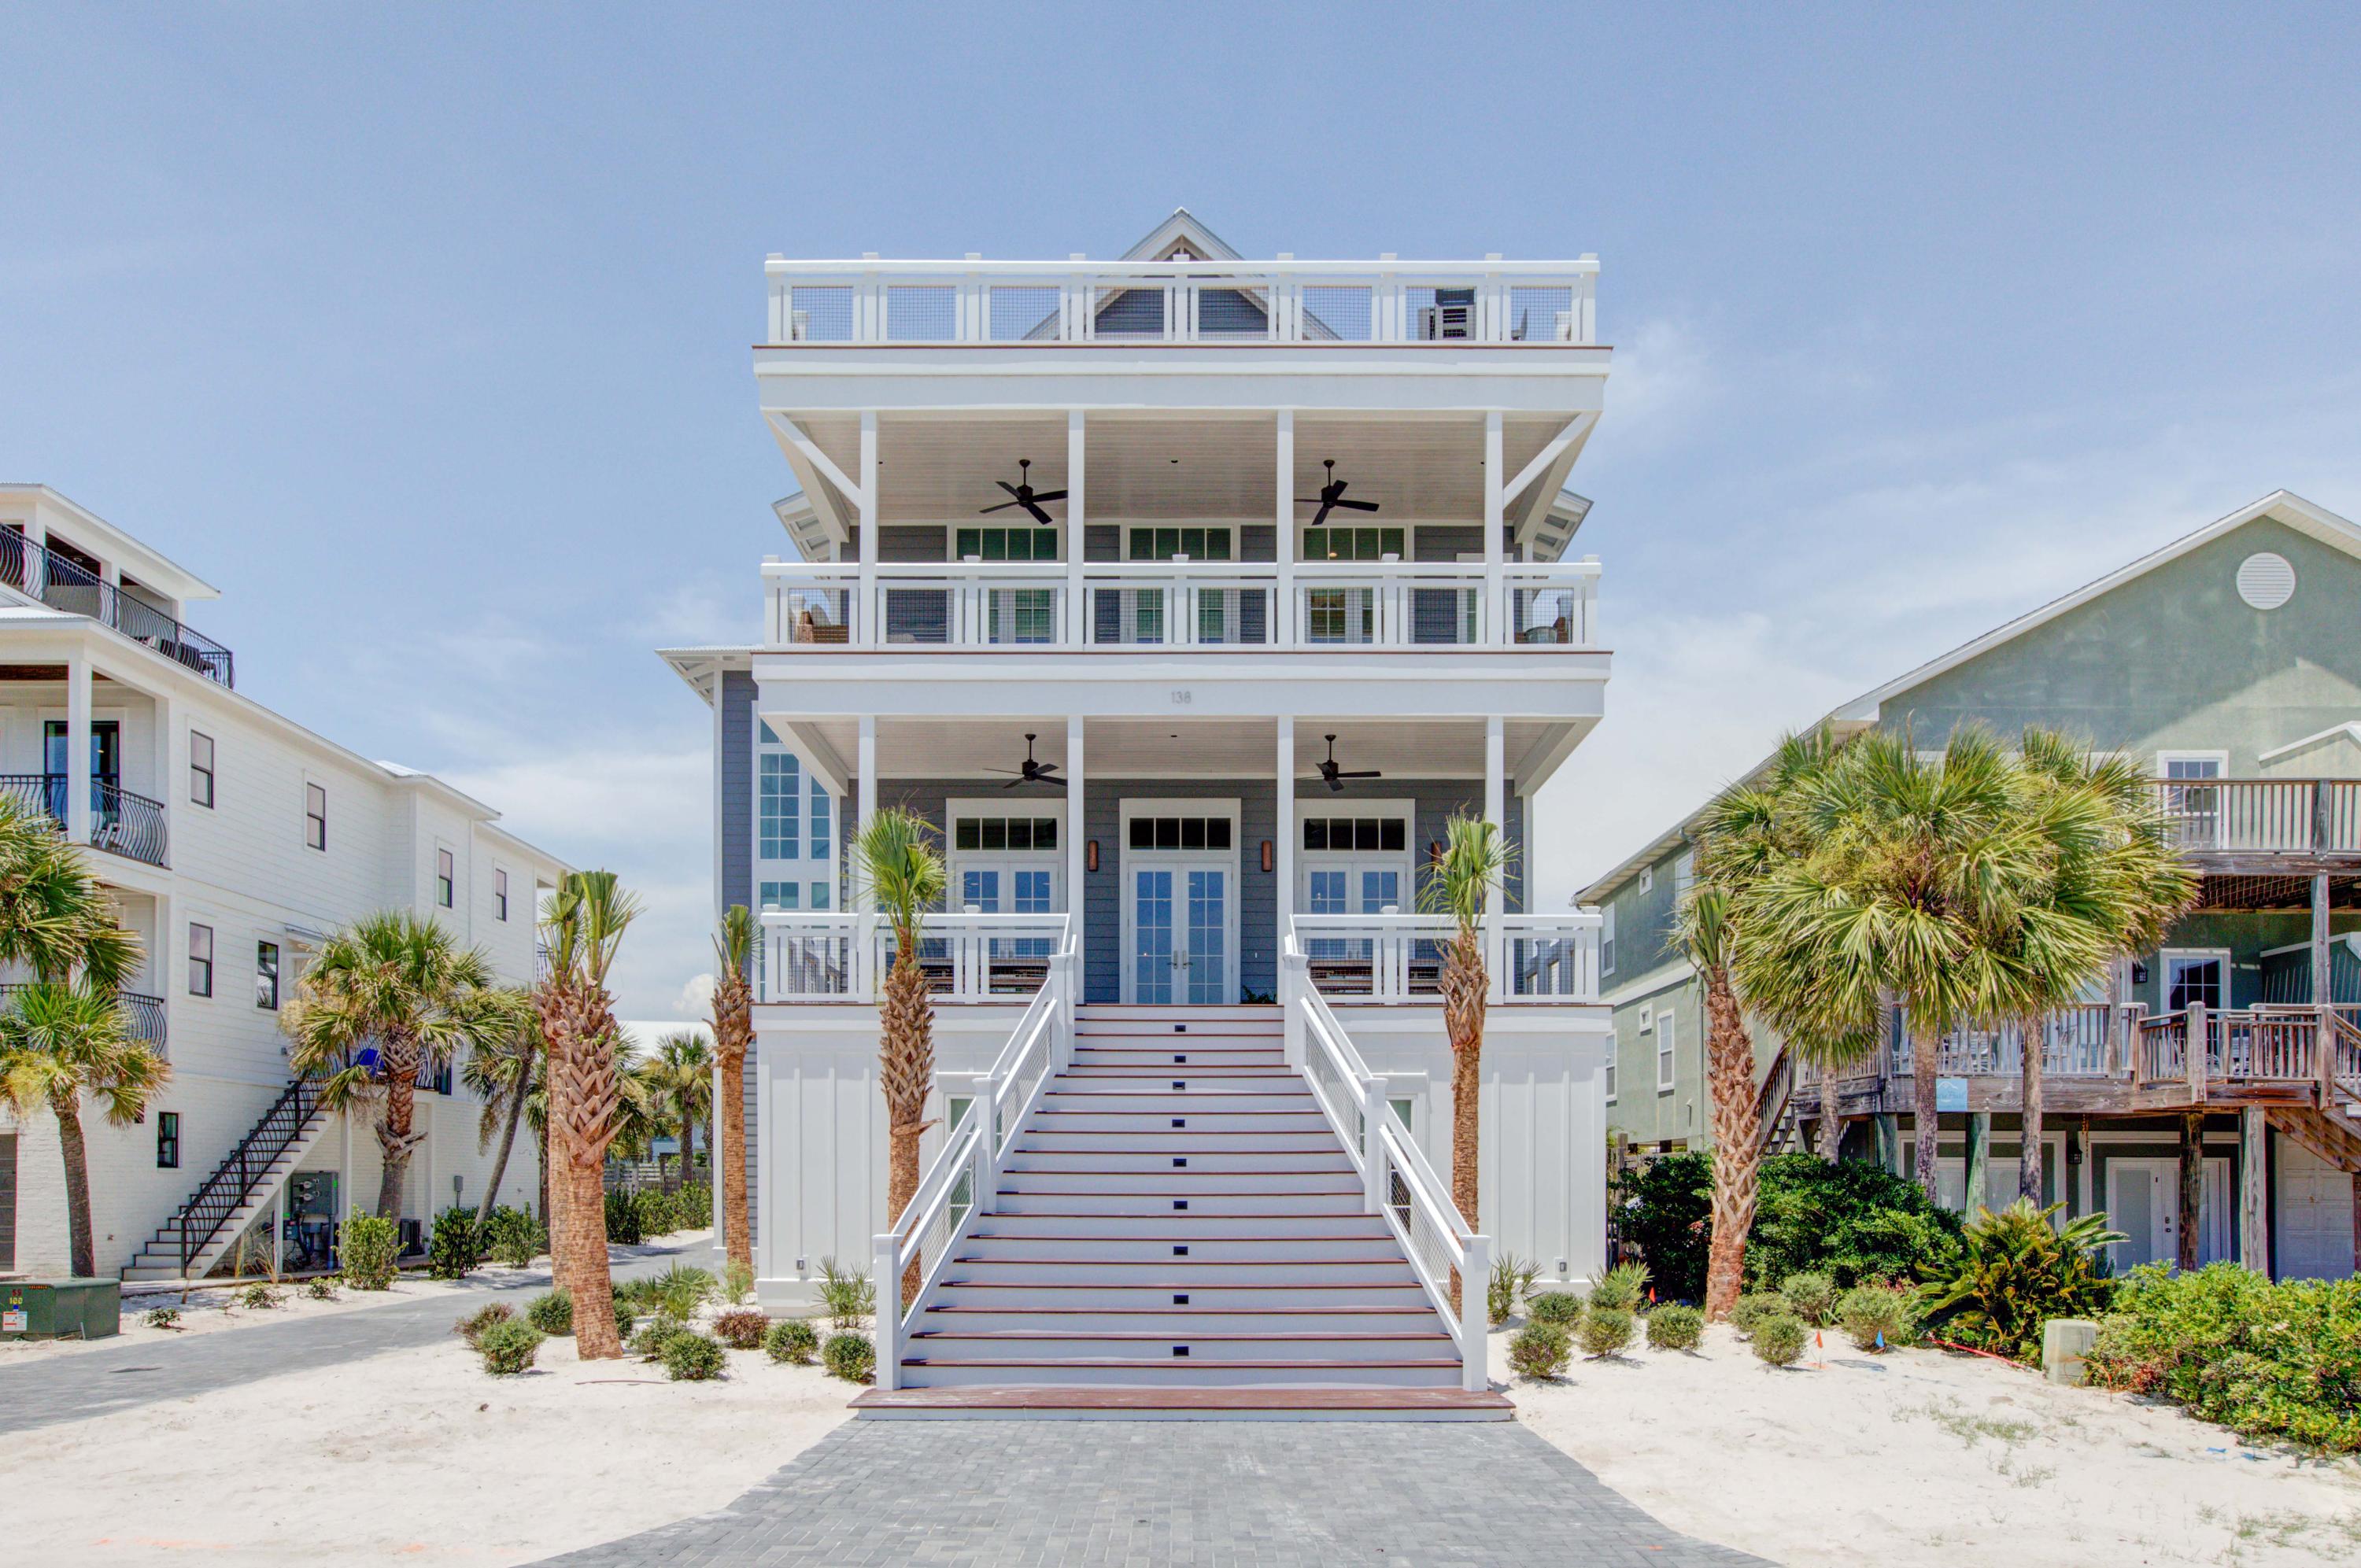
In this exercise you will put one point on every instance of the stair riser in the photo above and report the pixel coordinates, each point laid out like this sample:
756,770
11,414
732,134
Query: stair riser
1202,1205
1152,1079
1183,1374
1176,1273
1157,1097
1149,1121
1052,1176
1181,1322
1200,1249
1203,1058
1170,1141
969,1291
1187,1225
1329,1162
953,1344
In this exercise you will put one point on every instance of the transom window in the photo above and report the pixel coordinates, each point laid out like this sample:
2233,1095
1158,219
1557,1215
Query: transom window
1385,833
1178,833
1004,833
1034,544
1331,543
1171,544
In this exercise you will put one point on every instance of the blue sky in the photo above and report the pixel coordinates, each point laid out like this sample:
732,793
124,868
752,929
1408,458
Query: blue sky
425,336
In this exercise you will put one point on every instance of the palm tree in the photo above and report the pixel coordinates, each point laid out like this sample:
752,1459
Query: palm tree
392,997
1703,929
54,917
585,924
503,1071
678,1081
59,1042
734,1029
901,870
1474,862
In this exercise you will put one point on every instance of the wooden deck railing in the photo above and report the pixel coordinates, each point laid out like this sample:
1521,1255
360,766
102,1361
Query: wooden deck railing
2266,817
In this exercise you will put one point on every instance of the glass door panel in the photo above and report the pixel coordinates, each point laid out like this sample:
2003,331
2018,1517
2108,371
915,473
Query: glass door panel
1153,957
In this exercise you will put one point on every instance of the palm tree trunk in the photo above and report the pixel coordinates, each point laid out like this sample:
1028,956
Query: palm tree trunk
730,1102
500,1161
906,1045
1923,1043
393,1128
1831,1123
67,1107
1737,1142
2028,1154
1463,983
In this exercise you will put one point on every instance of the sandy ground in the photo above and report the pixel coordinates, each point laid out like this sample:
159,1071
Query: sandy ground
416,1454
1921,1456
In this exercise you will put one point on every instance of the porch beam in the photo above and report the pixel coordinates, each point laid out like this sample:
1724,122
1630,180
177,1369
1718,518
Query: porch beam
1555,448
1544,758
2321,993
824,759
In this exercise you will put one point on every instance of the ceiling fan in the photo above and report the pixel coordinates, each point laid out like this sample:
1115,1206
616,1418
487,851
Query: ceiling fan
1027,496
1331,497
1334,779
1032,772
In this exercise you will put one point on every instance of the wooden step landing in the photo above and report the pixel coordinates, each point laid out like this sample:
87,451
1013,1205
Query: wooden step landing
1054,1403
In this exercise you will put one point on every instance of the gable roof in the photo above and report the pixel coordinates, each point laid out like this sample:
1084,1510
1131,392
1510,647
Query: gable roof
2350,732
1182,230
2282,506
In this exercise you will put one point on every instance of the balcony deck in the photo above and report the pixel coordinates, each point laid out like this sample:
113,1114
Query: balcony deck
121,823
44,575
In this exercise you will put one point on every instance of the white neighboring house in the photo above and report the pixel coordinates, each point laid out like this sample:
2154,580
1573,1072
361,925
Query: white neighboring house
233,841
1188,596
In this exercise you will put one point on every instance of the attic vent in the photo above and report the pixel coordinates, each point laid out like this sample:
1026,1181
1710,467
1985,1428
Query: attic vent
2266,581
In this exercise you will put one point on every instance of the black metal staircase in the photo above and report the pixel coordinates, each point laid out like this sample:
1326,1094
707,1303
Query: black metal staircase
181,1239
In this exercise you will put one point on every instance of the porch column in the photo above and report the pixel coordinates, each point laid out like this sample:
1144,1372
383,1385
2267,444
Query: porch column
1283,896
863,955
1076,867
2253,1190
2191,1223
1496,768
1495,615
2322,994
1281,619
77,783
1078,604
870,614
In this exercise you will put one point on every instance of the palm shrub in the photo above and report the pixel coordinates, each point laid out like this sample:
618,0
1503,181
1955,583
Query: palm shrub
1554,1307
1812,1296
1540,1351
691,1357
509,1347
736,1281
456,1248
552,1313
1755,1306
1620,1287
850,1355
1779,1338
1472,869
1675,1327
899,863
792,1340
1853,1221
367,1252
1664,1207
741,1329
1605,1330
2014,1271
1875,1317
472,1326
850,1299
1511,1277
681,1290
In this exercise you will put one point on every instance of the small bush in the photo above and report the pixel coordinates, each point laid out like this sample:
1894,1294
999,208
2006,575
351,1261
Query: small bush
623,1214
1676,1328
322,1287
262,1296
1511,1277
1812,1296
2272,1361
792,1340
1620,1287
368,1249
513,1237
849,1356
1876,1316
553,1314
737,1282
471,1327
648,1344
741,1329
1779,1338
690,1357
1606,1331
1753,1307
509,1347
850,1299
1554,1307
1540,1351
162,1318
455,1249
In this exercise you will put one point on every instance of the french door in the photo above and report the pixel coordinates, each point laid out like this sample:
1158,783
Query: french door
2144,1202
105,765
1180,930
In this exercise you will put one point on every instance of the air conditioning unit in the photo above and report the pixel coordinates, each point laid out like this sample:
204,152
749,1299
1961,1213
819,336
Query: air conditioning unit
1453,315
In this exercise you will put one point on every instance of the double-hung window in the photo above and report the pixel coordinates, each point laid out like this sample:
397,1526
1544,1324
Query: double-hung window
821,805
200,768
1607,940
266,976
499,894
446,878
1667,1070
315,816
168,1140
201,959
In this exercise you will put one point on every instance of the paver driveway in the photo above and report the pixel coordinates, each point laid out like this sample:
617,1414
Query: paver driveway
978,1492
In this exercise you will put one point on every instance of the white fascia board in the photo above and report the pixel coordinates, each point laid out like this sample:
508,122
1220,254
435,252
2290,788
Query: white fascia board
102,538
698,666
2351,731
839,270
1663,977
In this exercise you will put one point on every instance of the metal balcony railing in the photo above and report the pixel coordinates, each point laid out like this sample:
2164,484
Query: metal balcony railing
121,823
143,1016
40,573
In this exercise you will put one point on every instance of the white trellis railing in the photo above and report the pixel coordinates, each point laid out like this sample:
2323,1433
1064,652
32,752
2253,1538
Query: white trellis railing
965,1177
1396,1179
842,954
1550,956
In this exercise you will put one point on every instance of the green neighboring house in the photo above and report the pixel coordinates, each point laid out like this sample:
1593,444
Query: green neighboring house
2228,662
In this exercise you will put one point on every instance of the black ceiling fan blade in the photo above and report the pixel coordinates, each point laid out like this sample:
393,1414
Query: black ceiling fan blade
1039,515
1359,506
1322,515
1044,770
1010,489
1048,494
1012,783
1335,784
1363,774
986,512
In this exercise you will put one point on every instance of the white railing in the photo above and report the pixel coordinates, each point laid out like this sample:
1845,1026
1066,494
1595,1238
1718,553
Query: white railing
1548,957
1197,604
920,302
964,1179
1396,1180
842,956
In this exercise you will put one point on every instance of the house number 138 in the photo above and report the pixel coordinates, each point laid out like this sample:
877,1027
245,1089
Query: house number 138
1183,699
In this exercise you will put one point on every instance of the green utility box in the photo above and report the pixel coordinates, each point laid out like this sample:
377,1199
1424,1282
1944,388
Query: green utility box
60,1308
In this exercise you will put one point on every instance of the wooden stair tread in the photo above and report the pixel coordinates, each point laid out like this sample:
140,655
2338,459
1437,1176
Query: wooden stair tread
1019,1397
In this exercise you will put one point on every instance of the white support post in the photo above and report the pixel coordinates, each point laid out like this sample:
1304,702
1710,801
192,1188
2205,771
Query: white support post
863,956
77,783
1281,619
870,615
1495,804
1077,605
1475,1278
1283,896
984,1180
1077,868
1495,614
1373,1146
888,1277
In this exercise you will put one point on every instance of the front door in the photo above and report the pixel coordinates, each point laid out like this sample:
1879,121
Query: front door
1180,930
106,762
2144,1202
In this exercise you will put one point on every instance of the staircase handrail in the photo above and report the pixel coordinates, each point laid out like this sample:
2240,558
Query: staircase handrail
2345,1053
964,1177
1771,1096
1396,1179
293,1111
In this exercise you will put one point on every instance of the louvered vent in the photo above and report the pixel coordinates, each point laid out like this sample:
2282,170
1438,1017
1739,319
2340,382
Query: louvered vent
2266,581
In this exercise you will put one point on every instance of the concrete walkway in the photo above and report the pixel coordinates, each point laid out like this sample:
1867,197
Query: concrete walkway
1263,1493
121,1376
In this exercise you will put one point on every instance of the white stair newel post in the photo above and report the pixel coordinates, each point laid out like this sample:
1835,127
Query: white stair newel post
1374,1167
1475,1276
887,1271
986,1164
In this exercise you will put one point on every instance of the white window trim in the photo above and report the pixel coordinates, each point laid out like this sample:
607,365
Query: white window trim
328,814
1132,807
1606,939
952,557
1123,541
212,773
958,861
190,922
434,876
1307,860
500,893
2164,971
1647,1017
1647,879
1668,1067
2219,759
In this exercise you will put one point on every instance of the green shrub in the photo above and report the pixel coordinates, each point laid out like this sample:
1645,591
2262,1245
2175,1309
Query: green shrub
648,1344
792,1340
1620,1287
553,1314
1606,1331
849,1356
369,1248
1852,1220
1674,1327
513,1237
321,1287
1540,1351
262,1296
1511,1277
624,1211
1753,1307
1779,1338
690,1207
741,1329
509,1347
455,1249
2014,1272
1813,1297
471,1327
162,1318
1875,1317
2272,1361
1665,1209
691,1357
850,1299
737,1282
1554,1307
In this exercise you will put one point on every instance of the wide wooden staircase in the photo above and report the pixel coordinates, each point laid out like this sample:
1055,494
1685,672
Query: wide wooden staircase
1178,1231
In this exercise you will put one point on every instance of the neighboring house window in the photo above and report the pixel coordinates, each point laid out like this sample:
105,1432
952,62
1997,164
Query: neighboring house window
1611,1053
823,806
201,960
781,895
168,1140
1607,941
266,975
1647,1017
499,894
1647,879
782,784
2192,978
1402,1110
1664,1069
201,769
446,881
1683,875
315,816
